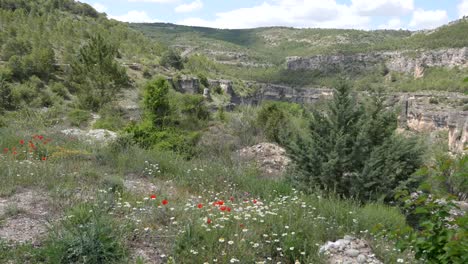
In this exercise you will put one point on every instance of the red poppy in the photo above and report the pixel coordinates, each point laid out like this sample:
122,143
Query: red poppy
164,202
14,152
228,209
232,199
254,201
200,206
21,142
5,150
153,197
208,221
44,158
223,208
41,137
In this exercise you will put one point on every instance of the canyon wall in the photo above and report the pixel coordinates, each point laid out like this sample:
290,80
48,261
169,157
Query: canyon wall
411,62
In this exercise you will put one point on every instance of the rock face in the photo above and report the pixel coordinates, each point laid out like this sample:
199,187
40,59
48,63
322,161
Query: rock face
348,250
273,92
187,84
225,85
404,62
458,134
270,158
92,136
422,112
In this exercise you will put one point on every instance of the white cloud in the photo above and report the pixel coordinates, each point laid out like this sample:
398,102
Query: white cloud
294,13
155,1
190,7
394,23
383,7
136,17
428,19
463,8
99,7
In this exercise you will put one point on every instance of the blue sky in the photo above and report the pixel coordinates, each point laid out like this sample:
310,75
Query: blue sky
359,14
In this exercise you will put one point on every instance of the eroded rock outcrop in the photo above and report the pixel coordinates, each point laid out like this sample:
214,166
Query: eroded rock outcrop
270,158
429,112
274,92
348,250
413,62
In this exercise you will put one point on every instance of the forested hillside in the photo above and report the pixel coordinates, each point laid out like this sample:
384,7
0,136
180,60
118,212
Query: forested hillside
157,143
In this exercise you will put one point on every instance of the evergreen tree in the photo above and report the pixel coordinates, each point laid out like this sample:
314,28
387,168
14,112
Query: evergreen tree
157,102
351,149
96,75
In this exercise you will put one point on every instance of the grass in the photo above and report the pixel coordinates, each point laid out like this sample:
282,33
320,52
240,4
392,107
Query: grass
104,222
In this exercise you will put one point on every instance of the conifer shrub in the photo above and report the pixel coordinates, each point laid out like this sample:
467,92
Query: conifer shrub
353,150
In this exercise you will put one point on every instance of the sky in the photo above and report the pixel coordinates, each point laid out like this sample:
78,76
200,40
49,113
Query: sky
355,14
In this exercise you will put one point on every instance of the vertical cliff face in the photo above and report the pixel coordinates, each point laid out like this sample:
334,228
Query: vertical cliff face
422,112
413,62
458,134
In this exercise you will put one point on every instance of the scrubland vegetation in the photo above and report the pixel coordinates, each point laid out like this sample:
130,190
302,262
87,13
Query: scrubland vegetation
170,188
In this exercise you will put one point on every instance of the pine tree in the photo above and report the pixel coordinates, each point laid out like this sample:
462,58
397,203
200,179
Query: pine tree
96,75
157,102
352,149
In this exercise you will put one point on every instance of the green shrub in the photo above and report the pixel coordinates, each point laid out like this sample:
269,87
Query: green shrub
112,118
78,117
351,149
439,236
60,89
87,235
96,75
156,102
172,58
446,175
113,183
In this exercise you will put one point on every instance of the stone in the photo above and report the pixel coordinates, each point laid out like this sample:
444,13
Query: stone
361,259
396,61
91,136
206,94
270,158
352,252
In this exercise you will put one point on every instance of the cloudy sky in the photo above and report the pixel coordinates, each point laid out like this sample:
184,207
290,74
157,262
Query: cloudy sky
360,14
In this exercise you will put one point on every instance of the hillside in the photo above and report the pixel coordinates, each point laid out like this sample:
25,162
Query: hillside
260,54
155,143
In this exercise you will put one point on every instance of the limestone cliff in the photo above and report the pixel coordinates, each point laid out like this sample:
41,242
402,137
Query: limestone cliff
411,62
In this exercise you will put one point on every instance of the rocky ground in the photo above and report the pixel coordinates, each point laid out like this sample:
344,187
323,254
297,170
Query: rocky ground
349,250
270,158
25,216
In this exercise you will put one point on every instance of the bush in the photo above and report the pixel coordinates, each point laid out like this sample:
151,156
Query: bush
78,117
276,120
88,235
96,75
112,118
171,58
351,149
447,175
439,237
156,102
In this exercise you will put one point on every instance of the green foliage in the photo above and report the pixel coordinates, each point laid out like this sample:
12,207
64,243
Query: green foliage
276,120
446,175
6,96
171,58
156,101
96,75
352,150
440,236
111,118
203,80
88,235
78,117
